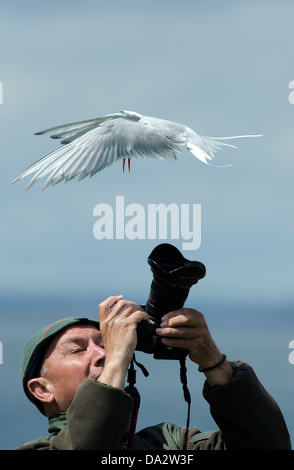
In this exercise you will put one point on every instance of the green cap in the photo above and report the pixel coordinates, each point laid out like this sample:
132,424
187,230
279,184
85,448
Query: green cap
36,347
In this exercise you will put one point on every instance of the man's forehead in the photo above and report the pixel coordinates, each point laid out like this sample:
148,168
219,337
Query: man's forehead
78,331
73,333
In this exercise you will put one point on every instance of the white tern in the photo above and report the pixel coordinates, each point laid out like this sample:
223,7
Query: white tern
92,145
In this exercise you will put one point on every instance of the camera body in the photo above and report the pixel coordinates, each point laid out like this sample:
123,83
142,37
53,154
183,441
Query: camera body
173,276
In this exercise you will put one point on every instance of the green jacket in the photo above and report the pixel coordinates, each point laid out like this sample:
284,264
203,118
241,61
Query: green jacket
247,417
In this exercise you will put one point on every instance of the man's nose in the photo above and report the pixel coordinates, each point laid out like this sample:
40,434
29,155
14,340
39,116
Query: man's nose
98,354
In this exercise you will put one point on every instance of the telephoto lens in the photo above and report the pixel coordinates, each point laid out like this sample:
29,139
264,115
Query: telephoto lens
173,276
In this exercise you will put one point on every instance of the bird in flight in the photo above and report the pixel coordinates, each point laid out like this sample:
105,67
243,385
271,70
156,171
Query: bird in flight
92,145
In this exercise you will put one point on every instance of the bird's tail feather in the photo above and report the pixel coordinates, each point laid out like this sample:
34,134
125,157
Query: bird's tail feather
212,145
216,143
206,148
201,154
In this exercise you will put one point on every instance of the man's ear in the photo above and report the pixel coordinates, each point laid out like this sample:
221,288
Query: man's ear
41,389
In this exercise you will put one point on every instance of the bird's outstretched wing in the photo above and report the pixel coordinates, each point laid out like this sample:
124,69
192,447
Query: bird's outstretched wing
93,145
70,132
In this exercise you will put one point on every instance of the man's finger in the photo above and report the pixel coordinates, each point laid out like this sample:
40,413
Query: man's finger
181,332
182,317
107,304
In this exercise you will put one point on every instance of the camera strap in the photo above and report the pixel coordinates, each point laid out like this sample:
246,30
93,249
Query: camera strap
187,397
129,435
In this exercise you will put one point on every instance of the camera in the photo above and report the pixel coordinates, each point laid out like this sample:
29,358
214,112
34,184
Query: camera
173,276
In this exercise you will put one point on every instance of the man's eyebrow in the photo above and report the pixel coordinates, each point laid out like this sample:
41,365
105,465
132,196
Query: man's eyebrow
80,340
74,339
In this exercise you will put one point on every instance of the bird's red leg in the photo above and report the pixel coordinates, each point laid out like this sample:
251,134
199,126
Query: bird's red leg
129,164
124,161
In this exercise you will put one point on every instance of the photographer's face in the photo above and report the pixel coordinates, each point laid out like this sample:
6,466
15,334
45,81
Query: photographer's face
74,355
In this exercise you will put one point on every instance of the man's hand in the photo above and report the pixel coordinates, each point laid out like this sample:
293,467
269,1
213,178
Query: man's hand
186,328
118,326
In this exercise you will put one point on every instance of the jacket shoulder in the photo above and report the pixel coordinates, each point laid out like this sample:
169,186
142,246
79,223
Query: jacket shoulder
41,443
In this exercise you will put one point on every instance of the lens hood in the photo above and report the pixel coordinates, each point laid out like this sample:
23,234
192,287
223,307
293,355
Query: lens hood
168,264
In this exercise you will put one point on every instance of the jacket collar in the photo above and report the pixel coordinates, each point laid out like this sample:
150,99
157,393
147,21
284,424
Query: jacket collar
56,423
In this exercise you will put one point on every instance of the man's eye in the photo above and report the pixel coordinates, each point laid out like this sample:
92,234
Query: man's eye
77,350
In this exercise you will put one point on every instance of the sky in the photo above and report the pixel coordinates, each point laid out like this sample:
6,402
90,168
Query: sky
221,68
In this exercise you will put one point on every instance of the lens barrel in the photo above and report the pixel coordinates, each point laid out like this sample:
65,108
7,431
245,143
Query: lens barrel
173,276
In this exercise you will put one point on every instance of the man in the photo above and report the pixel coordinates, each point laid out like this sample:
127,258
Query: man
75,371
